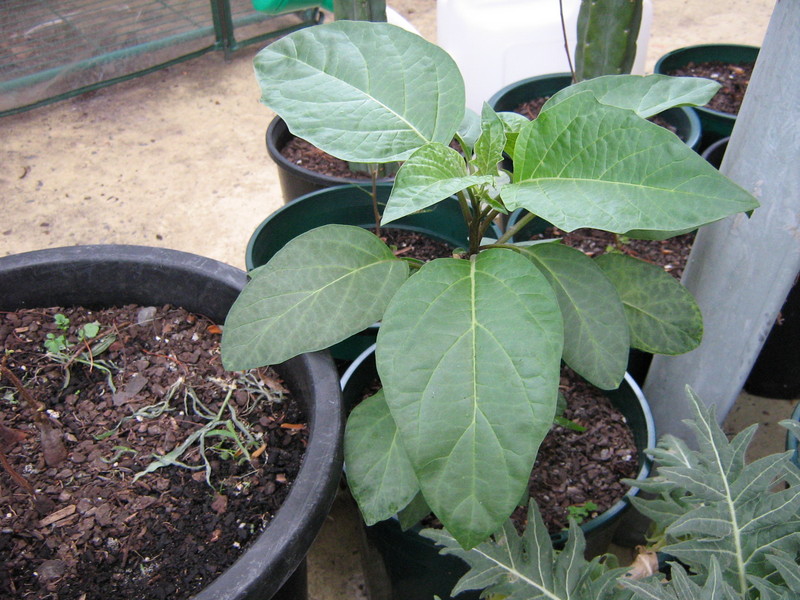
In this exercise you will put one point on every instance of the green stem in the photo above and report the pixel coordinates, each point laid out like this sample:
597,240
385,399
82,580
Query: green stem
509,233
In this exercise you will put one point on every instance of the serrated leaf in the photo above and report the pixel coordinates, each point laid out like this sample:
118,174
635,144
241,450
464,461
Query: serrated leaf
730,514
468,353
585,164
527,567
645,95
322,287
379,474
323,80
596,337
663,316
431,174
490,144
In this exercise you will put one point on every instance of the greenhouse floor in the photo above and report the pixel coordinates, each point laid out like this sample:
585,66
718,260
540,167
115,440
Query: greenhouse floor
177,159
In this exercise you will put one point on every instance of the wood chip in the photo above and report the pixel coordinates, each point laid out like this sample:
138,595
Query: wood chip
58,515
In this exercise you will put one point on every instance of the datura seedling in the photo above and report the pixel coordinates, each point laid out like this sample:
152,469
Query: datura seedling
470,348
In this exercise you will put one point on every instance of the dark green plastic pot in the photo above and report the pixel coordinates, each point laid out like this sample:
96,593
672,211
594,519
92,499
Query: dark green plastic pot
413,565
715,124
685,121
273,567
295,180
350,205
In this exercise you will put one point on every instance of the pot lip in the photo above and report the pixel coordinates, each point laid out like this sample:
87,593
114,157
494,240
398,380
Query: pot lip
694,125
275,130
497,96
659,69
644,469
279,549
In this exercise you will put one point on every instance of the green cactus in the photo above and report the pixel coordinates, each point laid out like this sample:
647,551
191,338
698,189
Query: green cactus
607,32
360,10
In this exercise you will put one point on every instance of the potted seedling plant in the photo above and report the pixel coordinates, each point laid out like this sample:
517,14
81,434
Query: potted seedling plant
470,347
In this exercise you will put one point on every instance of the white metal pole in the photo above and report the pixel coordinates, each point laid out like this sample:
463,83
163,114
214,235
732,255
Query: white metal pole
741,270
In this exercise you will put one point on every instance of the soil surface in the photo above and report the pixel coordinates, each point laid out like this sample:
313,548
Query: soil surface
412,244
671,254
581,469
734,78
308,156
78,520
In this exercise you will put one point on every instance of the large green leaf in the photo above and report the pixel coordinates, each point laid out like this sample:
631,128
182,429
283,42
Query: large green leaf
322,287
365,92
596,337
585,164
468,354
431,174
379,473
663,316
646,96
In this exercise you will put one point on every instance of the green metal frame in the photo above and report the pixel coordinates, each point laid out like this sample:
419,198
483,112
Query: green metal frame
219,27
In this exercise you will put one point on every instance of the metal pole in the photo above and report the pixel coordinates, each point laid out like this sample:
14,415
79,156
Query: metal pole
741,270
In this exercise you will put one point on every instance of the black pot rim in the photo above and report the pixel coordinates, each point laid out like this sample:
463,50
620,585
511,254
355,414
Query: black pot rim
644,469
276,130
92,275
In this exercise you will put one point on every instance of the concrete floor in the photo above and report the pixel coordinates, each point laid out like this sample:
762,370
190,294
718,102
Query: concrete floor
177,159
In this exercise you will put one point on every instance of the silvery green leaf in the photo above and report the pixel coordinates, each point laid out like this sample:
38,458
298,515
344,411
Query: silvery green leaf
431,174
732,513
364,92
379,474
596,337
585,164
682,587
663,316
527,567
322,287
494,321
645,95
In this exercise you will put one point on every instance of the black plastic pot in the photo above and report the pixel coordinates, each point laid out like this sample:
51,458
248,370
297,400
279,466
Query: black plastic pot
100,276
715,124
776,372
413,565
350,205
295,180
684,120
716,152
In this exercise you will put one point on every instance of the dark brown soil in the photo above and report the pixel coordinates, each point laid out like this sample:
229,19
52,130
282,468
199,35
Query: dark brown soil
413,244
308,156
532,108
574,468
733,77
671,254
74,524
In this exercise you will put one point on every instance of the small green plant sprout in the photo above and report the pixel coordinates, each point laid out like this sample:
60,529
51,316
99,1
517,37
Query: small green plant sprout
470,348
580,512
60,349
732,531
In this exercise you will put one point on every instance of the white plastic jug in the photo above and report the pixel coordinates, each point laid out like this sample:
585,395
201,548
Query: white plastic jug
497,42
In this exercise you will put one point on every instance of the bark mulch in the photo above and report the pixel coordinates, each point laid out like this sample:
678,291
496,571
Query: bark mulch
78,519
